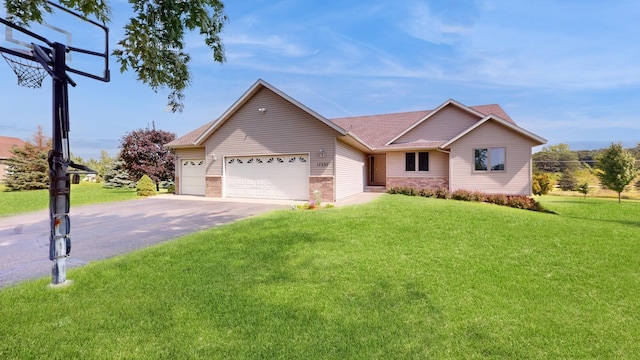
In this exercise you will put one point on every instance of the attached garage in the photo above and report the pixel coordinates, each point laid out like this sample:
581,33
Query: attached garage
267,176
192,181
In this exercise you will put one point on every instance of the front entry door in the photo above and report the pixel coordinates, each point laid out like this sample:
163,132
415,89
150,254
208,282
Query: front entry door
377,170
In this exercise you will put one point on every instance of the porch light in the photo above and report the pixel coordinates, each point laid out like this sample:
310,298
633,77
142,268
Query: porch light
321,152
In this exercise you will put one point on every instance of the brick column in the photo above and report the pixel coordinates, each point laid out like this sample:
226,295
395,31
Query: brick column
325,184
213,186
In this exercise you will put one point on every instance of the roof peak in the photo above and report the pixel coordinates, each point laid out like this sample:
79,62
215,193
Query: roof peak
485,109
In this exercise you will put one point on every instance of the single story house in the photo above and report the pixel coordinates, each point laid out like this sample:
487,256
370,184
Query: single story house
6,144
268,145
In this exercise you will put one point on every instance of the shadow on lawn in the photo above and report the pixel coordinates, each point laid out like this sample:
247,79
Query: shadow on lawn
597,204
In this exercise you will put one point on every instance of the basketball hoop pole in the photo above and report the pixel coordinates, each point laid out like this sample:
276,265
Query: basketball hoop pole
59,179
52,58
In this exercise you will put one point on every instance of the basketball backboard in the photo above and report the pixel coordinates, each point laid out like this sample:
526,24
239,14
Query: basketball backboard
86,40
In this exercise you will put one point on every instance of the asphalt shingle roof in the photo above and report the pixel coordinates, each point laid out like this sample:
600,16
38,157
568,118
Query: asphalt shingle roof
189,138
378,130
374,130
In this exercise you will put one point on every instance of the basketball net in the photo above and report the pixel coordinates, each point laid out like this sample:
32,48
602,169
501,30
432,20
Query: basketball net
30,73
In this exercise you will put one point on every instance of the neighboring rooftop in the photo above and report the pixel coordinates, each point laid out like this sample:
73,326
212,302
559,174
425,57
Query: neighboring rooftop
6,143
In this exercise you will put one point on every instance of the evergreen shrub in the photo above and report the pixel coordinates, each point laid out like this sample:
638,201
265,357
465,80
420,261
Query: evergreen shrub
146,186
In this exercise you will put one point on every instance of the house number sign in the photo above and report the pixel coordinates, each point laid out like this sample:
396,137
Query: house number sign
322,164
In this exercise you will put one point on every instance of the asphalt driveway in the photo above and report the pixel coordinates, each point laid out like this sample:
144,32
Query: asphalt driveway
104,230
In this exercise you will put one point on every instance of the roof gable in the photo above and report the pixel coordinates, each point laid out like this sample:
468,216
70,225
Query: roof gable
440,126
475,111
248,95
510,125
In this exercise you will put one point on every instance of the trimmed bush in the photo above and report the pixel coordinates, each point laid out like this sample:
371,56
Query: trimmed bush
514,201
145,186
442,193
498,199
466,195
426,192
403,190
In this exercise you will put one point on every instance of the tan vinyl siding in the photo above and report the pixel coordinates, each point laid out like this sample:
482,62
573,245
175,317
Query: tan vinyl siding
350,170
191,153
443,125
438,165
515,180
283,128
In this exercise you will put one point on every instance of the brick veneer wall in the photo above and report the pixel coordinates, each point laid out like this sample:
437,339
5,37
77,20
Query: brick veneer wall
433,183
213,186
325,185
177,185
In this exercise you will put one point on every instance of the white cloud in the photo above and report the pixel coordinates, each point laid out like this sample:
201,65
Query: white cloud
272,43
421,22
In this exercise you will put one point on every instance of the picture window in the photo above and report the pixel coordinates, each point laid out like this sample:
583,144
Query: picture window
489,159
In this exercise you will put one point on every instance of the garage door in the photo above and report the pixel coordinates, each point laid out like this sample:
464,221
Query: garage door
192,177
267,177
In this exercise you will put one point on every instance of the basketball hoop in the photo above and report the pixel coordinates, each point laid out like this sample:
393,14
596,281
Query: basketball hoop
30,73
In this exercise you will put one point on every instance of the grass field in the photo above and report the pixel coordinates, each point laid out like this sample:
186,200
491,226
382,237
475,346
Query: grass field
15,202
399,278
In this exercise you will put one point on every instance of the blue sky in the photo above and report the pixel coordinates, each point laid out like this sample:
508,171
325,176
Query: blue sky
567,70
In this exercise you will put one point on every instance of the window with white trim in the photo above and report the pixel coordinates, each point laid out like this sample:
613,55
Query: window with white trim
489,159
421,161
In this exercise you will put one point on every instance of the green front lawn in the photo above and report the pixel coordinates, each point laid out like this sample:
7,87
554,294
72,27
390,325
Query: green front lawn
15,202
399,278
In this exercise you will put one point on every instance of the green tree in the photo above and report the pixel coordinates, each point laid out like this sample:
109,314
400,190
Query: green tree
541,184
617,168
568,181
584,189
555,158
101,166
116,176
27,168
154,38
635,151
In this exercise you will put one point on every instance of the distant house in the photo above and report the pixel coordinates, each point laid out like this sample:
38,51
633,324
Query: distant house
268,145
6,143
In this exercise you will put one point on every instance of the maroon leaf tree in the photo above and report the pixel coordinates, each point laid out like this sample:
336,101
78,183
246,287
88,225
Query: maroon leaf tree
144,153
